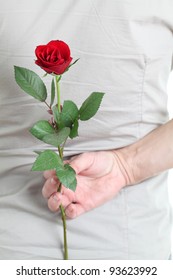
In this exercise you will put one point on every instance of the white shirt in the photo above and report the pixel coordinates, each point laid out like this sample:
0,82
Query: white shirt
125,49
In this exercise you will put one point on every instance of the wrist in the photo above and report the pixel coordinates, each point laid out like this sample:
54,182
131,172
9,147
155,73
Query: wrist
126,158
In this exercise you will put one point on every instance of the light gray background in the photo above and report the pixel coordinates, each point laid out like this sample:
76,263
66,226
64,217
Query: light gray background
170,108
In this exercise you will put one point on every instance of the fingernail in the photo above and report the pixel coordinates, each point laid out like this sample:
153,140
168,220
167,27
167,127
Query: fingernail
55,197
53,181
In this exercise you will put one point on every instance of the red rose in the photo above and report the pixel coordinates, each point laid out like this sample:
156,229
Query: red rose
53,57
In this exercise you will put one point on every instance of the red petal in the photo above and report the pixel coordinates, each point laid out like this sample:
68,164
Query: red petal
62,47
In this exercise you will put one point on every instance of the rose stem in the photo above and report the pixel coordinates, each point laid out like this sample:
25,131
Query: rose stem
63,216
57,78
65,232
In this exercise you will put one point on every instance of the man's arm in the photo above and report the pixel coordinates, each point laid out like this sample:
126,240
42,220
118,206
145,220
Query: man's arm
101,175
150,155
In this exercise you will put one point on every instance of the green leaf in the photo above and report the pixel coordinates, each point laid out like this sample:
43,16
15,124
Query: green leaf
47,160
52,92
31,83
42,128
74,130
57,138
56,115
90,106
67,176
69,113
38,152
43,131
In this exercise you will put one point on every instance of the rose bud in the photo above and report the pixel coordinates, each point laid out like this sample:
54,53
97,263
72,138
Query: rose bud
54,57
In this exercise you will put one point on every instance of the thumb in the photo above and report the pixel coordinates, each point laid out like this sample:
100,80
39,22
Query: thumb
82,162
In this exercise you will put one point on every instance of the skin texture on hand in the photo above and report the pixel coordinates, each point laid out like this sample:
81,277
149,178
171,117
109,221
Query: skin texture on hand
100,176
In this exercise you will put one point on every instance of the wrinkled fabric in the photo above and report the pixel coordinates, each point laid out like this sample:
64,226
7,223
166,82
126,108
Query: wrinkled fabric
125,49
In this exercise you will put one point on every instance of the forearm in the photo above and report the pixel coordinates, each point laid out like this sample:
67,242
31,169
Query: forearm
149,156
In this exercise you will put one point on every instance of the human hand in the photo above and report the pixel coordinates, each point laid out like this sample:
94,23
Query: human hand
100,176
